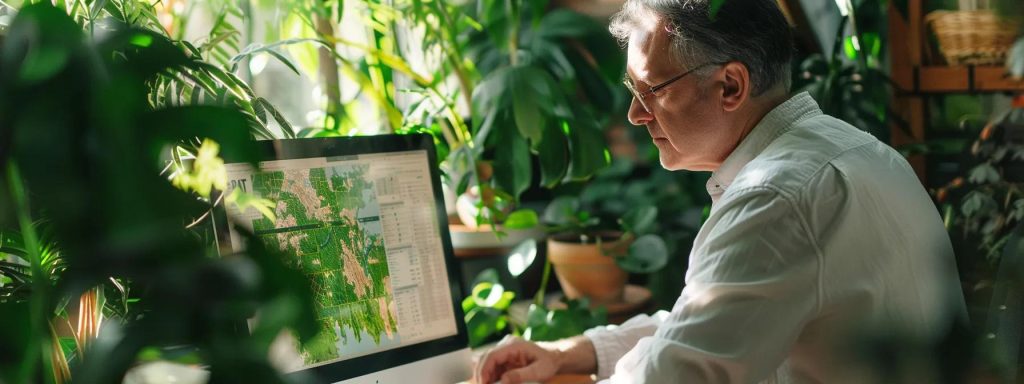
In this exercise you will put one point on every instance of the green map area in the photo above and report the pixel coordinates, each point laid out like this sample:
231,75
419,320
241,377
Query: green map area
328,222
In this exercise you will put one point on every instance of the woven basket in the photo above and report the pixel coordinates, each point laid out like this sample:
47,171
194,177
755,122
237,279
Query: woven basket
972,37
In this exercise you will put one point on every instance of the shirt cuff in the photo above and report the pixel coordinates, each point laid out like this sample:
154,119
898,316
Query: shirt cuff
612,342
607,348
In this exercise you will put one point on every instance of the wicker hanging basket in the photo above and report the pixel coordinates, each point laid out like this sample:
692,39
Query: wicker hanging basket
973,37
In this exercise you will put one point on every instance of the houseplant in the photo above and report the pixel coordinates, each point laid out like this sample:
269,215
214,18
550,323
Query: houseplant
850,83
488,315
982,206
635,179
81,144
532,83
591,261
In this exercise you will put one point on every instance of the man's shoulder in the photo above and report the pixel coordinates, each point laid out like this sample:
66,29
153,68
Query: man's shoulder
807,153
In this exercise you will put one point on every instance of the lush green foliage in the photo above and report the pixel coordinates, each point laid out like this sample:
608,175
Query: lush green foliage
214,79
487,314
646,253
83,143
989,199
536,82
851,84
486,309
680,197
548,324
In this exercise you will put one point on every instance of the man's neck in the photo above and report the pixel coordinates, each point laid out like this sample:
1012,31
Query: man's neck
761,106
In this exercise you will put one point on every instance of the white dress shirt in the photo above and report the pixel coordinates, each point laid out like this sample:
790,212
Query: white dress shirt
818,233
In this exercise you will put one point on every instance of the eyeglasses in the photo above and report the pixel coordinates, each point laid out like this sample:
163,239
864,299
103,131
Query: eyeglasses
641,96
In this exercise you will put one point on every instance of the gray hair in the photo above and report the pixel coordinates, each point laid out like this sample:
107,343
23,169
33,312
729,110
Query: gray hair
753,32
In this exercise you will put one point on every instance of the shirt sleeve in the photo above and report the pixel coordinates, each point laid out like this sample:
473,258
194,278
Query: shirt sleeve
611,341
752,285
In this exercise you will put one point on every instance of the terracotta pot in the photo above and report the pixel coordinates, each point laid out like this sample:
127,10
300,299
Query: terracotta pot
584,270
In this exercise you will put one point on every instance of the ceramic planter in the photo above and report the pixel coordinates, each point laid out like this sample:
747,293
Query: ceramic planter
585,270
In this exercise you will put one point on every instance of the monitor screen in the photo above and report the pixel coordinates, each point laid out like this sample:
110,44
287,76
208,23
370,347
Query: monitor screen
364,228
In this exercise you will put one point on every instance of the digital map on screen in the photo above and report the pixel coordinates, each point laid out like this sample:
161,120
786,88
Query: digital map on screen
328,220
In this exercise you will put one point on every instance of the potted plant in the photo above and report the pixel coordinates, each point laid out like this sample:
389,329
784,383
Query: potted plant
591,261
636,179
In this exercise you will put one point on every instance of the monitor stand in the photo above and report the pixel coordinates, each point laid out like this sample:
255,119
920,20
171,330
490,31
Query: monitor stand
452,367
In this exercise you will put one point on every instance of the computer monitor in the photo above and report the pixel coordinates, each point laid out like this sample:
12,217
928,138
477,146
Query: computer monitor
364,219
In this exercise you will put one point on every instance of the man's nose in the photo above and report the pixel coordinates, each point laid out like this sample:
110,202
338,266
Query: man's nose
637,115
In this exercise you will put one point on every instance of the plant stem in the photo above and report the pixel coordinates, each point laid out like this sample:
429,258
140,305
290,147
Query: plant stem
513,36
247,19
329,72
61,370
454,54
538,299
461,130
40,280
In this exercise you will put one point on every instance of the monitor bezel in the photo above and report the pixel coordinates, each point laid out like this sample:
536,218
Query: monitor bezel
291,149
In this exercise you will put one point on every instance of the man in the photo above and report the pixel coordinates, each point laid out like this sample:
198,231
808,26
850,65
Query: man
818,232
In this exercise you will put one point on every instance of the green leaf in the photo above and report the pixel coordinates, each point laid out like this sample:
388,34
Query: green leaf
588,150
849,48
984,173
872,44
489,275
286,128
562,23
505,301
647,254
141,40
284,60
487,294
488,97
512,168
536,316
68,346
553,153
481,323
1018,210
639,220
977,203
562,210
521,257
468,304
42,62
46,39
521,219
526,110
96,8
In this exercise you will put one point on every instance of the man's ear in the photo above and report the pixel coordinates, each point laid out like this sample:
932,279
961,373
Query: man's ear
735,85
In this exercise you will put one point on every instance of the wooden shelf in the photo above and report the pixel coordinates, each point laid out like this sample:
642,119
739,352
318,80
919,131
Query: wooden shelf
970,79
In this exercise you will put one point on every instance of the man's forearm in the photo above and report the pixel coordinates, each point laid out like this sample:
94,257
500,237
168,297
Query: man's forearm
575,355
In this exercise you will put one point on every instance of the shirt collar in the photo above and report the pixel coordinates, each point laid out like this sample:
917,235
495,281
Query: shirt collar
771,126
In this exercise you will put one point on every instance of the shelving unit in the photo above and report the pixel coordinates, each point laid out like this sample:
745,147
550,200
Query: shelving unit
917,79
942,80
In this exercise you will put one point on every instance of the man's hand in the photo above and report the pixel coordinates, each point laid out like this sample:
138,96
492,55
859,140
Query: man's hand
515,360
